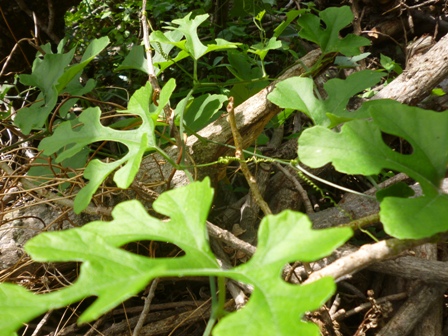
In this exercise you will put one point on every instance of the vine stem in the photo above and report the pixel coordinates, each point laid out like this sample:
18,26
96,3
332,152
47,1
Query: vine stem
152,73
240,155
168,111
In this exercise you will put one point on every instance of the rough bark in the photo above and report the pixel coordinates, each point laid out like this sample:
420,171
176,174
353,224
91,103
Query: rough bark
423,73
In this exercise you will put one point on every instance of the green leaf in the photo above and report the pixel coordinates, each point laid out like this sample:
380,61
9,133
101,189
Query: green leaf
126,274
51,75
328,39
283,238
19,305
298,93
390,65
359,149
290,16
138,141
261,49
45,75
340,91
189,28
350,62
221,44
113,275
203,111
397,190
135,60
162,44
94,48
242,66
415,218
34,116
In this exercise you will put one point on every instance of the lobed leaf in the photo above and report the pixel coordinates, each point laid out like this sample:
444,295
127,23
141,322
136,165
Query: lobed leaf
298,93
112,274
189,28
359,149
138,141
51,75
279,306
328,38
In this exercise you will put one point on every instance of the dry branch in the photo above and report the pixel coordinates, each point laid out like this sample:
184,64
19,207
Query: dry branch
423,74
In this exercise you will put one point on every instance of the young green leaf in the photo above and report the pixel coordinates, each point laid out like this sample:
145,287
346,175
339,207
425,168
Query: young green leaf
261,49
390,65
51,75
328,39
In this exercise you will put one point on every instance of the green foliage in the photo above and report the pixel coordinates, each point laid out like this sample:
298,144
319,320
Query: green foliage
359,149
53,76
298,93
138,141
328,38
119,20
390,65
113,274
202,111
163,43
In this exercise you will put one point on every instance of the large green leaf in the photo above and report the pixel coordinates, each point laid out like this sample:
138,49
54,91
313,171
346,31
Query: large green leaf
113,274
137,141
328,38
359,149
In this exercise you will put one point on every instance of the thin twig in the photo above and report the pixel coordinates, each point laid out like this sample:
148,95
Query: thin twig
308,206
29,12
41,323
342,314
146,307
240,155
230,239
168,111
